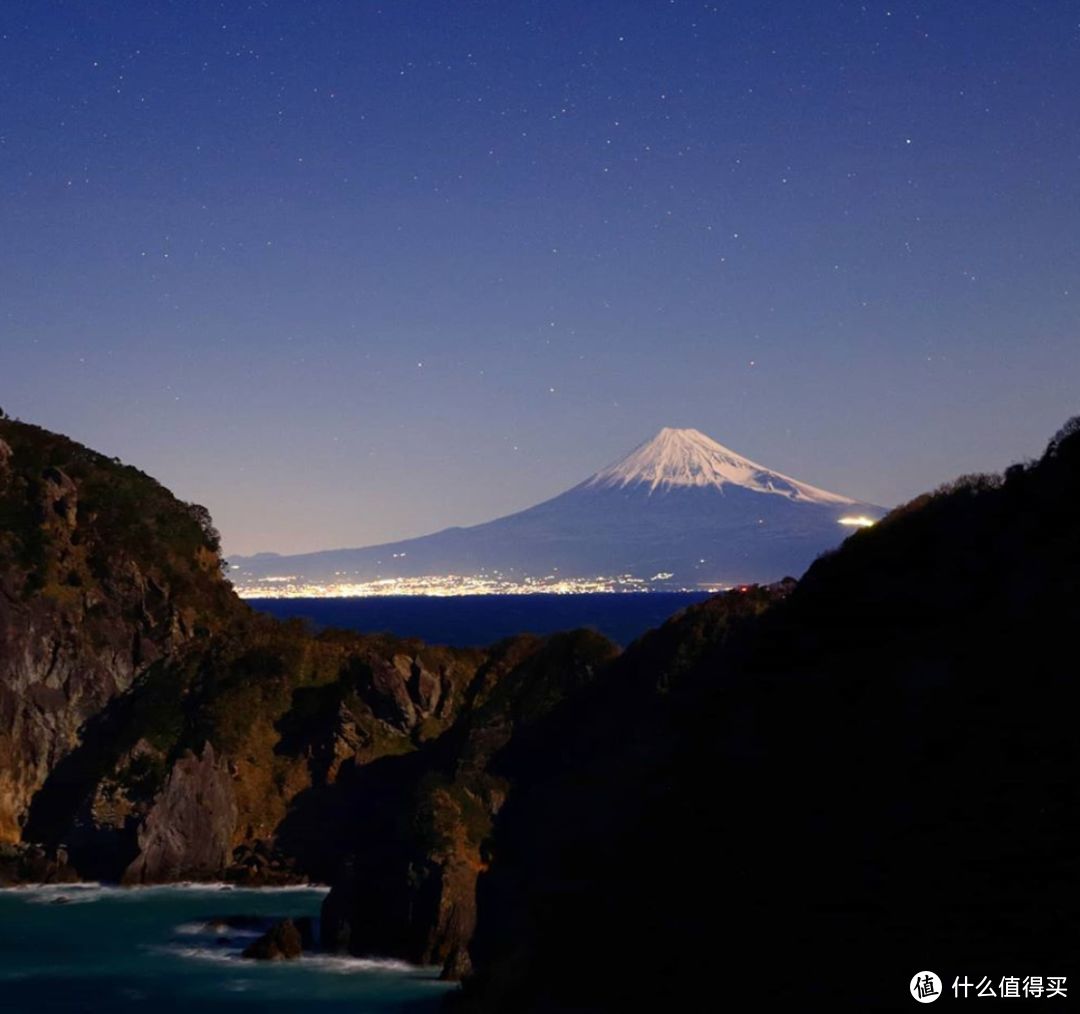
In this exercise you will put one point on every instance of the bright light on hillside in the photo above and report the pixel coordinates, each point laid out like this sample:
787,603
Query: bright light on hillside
862,521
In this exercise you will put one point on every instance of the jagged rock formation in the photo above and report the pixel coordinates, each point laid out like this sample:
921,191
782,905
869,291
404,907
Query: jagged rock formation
187,832
409,885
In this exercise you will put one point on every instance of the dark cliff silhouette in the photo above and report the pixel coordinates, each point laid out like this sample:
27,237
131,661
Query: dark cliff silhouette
801,810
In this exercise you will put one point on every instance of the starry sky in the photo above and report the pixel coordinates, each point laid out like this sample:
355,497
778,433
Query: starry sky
351,271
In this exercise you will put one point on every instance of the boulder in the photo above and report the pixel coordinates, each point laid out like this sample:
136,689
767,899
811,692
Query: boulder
282,942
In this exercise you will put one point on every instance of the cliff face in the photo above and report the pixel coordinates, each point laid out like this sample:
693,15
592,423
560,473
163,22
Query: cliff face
102,572
188,832
874,776
421,824
151,727
237,757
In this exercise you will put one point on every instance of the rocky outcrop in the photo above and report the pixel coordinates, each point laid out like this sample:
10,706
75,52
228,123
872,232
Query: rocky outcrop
28,863
409,886
405,895
404,694
188,832
282,942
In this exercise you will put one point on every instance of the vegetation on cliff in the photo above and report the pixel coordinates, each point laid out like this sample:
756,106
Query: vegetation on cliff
71,519
102,573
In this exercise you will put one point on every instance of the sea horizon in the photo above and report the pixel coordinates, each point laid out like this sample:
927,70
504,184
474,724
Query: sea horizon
474,620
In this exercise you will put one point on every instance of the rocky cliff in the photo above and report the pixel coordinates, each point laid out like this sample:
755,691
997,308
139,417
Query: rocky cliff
153,728
421,824
102,573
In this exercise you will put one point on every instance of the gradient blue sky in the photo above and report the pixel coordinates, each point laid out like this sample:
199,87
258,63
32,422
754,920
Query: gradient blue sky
348,271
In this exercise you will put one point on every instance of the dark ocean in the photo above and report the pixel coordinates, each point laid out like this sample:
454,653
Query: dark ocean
471,620
156,950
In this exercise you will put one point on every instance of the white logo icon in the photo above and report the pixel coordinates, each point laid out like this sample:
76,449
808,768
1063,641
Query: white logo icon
925,987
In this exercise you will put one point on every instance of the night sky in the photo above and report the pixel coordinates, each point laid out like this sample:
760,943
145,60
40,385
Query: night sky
351,271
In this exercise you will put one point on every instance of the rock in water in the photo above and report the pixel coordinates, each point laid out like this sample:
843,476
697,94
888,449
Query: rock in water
282,942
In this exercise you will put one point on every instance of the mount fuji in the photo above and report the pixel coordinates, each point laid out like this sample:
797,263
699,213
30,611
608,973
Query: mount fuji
679,511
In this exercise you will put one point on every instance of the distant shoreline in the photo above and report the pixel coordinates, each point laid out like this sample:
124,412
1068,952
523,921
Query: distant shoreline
260,595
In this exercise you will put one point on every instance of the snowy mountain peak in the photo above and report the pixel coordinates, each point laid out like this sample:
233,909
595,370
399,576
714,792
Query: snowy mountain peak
687,457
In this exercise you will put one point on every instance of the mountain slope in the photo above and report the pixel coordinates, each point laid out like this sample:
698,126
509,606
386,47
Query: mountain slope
679,511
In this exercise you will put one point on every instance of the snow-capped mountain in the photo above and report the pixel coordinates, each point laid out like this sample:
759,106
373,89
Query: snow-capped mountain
687,457
679,511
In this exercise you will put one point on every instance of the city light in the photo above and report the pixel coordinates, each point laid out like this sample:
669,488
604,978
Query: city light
295,587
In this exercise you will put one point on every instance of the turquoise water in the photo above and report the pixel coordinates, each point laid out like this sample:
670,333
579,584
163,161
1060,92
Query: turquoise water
87,948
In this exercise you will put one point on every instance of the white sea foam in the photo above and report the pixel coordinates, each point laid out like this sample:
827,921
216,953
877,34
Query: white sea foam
81,885
213,885
89,890
59,894
217,928
216,886
214,954
349,965
336,963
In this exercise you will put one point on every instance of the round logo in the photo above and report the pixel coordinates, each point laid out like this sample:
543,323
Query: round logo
925,987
